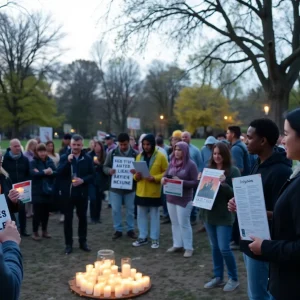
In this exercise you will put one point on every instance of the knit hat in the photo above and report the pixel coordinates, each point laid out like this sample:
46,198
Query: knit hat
177,134
151,139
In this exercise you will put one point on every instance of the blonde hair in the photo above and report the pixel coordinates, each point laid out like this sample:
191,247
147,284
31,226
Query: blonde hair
29,144
2,171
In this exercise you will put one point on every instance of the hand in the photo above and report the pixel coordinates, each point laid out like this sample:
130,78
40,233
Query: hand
175,177
133,171
255,246
138,176
112,172
35,170
77,181
222,178
14,196
163,181
70,157
10,233
150,179
231,205
199,176
48,171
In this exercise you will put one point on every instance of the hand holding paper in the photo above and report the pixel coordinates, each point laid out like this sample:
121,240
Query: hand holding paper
141,167
14,196
255,246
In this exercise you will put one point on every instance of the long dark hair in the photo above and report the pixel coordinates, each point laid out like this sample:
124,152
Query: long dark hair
53,150
226,155
101,157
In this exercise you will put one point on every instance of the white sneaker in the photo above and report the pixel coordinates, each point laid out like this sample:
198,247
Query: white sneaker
188,253
231,285
174,249
140,242
155,244
215,282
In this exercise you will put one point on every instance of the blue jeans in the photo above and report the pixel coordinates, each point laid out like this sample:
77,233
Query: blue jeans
257,277
165,207
181,225
142,221
116,205
219,237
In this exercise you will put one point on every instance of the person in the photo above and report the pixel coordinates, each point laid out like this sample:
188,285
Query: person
140,147
65,144
282,251
179,208
275,169
119,196
206,151
29,149
75,172
133,143
17,166
218,221
11,263
110,144
239,151
221,137
148,192
97,188
43,173
29,153
160,146
11,195
166,147
51,152
175,138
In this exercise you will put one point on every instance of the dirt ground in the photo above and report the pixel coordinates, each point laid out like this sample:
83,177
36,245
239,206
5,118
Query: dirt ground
47,269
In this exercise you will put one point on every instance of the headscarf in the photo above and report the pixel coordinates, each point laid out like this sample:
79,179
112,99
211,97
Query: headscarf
175,164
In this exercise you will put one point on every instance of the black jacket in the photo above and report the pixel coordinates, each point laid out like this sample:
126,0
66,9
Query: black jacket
85,171
6,186
38,195
283,251
18,170
274,173
101,180
64,150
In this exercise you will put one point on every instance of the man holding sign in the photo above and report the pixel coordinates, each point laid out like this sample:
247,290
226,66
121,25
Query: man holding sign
118,164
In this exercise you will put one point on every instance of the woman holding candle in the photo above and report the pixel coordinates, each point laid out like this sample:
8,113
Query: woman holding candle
43,172
148,192
283,251
218,221
179,208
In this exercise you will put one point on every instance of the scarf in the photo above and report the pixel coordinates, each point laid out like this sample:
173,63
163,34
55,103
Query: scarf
13,156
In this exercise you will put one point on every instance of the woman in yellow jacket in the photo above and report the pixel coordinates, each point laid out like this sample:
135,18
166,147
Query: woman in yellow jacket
148,192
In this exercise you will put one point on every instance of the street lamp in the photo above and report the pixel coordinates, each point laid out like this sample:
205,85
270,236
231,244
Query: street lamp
161,117
266,109
225,118
100,123
72,130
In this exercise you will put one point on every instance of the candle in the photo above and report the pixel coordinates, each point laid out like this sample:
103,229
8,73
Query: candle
97,264
132,273
146,281
106,273
107,263
125,270
118,291
78,278
135,287
107,291
89,288
138,276
114,269
101,279
83,285
97,290
112,284
89,268
20,190
140,285
95,158
101,268
126,286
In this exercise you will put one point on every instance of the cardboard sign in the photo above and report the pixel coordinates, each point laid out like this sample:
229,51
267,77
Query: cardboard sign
122,179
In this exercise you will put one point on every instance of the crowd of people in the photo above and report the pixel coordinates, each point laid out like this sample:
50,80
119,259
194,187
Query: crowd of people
76,177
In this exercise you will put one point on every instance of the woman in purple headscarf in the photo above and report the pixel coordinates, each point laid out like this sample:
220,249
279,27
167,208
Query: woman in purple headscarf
183,168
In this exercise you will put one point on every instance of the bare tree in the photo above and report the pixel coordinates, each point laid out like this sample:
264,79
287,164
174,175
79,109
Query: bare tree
28,49
262,35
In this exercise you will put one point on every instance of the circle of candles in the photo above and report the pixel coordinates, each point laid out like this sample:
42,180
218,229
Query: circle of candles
138,276
89,268
78,278
132,273
107,291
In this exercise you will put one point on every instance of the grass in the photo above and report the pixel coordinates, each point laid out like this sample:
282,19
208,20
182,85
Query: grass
47,269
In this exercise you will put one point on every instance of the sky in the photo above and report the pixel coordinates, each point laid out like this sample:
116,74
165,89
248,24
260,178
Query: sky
83,24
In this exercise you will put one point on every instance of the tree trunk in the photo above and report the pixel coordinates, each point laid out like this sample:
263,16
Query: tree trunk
278,101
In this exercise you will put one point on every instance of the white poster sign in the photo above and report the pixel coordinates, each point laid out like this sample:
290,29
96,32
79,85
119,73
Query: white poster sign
122,179
251,207
24,189
134,123
46,134
101,135
173,187
208,188
4,212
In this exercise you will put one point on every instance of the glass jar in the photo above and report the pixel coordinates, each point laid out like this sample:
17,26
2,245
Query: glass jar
106,256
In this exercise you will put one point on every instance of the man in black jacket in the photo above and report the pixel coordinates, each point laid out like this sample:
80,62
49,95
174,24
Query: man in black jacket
17,167
75,172
66,144
275,169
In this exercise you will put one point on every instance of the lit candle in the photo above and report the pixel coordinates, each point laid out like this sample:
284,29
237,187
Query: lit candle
146,281
95,158
107,263
107,291
132,273
20,190
126,286
97,290
135,287
112,284
114,269
89,268
118,291
106,273
97,264
101,279
101,269
83,285
140,285
78,278
89,288
125,270
138,276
